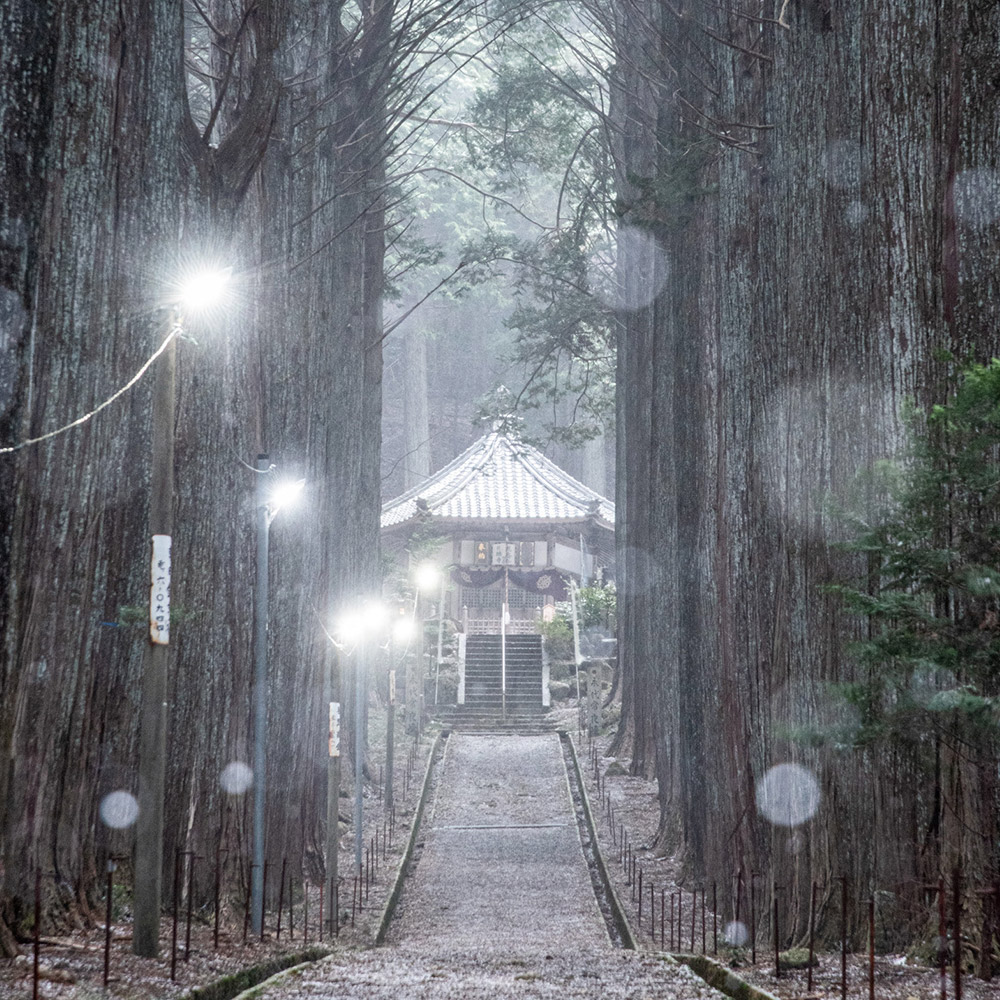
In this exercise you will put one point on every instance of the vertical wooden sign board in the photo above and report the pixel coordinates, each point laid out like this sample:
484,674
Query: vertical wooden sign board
392,687
334,733
159,591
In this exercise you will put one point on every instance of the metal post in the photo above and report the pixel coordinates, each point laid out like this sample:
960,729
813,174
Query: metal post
107,924
390,740
332,780
156,661
190,908
37,935
359,754
437,661
812,938
503,648
843,937
260,696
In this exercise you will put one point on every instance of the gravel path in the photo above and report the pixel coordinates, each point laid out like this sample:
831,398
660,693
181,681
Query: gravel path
500,903
501,867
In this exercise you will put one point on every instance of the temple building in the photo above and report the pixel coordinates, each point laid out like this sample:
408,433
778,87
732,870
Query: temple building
513,532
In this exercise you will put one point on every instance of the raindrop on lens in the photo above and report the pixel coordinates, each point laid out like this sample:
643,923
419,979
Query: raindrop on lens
787,795
119,809
736,934
236,778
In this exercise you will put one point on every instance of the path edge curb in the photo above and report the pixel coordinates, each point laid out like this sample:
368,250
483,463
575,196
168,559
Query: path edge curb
721,978
617,910
244,981
397,889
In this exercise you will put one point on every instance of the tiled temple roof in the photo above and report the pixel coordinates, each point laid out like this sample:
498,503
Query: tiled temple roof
500,478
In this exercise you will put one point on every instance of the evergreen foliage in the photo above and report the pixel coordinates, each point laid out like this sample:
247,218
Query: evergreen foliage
930,664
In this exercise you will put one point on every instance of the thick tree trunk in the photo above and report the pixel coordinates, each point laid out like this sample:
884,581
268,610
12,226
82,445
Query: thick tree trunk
819,252
106,188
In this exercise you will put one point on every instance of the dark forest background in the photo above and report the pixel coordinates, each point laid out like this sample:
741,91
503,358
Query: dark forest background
710,248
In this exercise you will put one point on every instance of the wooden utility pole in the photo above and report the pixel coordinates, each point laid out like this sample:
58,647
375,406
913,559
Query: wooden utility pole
156,662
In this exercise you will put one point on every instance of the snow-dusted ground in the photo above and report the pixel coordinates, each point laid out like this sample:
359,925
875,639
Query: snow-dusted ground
500,902
501,865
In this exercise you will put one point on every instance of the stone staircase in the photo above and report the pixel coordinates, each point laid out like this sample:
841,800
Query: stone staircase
484,703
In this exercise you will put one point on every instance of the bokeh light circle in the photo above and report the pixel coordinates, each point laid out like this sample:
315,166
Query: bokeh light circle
788,795
119,809
236,778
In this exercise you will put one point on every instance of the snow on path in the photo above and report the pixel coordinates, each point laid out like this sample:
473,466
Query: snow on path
501,866
500,904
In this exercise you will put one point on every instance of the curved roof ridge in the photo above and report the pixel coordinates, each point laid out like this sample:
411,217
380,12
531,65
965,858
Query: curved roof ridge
567,487
419,491
500,476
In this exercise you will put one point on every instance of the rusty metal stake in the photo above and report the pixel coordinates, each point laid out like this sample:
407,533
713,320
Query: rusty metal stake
694,913
680,921
753,918
177,894
715,921
219,851
942,938
322,886
38,933
354,895
190,907
956,909
777,958
281,896
246,912
335,912
843,937
703,949
305,914
871,948
663,908
107,924
812,939
291,908
640,896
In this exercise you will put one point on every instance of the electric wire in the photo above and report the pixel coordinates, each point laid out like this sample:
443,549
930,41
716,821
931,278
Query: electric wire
175,329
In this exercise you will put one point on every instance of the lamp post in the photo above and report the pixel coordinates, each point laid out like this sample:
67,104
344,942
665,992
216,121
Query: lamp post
199,292
402,634
427,576
355,630
269,500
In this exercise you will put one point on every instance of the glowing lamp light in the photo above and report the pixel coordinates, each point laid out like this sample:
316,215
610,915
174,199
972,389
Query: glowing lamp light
204,289
350,628
427,576
404,630
374,615
366,620
286,494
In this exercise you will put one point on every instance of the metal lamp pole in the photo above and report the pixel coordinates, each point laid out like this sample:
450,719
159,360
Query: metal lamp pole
260,697
359,693
156,659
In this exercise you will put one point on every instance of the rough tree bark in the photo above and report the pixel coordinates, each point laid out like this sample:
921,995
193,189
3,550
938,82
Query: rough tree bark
811,192
107,186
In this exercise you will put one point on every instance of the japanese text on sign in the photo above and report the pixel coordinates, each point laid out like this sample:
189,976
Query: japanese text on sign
392,687
159,591
334,728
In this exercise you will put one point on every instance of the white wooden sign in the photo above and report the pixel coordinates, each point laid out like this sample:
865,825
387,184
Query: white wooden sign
334,728
392,687
159,591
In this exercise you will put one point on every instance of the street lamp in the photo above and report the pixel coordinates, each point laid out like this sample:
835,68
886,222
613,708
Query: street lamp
197,292
269,500
426,577
403,631
355,629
